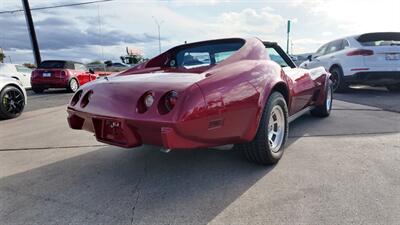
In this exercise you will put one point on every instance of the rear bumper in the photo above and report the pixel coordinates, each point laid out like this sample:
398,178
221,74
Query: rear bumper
374,78
49,83
129,133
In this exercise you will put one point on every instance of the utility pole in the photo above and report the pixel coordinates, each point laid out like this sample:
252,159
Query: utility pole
159,33
32,33
288,37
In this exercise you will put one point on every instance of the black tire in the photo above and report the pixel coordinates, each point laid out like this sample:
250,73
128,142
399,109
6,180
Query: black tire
259,150
393,88
325,109
73,85
339,85
37,90
12,102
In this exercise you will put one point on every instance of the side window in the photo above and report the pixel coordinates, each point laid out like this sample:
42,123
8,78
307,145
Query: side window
22,69
221,56
274,56
79,67
196,59
345,44
335,46
321,50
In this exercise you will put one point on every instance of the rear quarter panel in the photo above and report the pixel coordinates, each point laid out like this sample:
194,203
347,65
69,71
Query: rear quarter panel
235,96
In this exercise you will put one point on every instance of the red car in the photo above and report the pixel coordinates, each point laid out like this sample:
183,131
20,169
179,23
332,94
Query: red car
204,94
60,74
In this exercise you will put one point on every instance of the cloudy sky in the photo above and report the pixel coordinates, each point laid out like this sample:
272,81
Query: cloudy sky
102,31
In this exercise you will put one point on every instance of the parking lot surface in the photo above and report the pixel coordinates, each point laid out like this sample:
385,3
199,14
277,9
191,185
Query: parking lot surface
344,169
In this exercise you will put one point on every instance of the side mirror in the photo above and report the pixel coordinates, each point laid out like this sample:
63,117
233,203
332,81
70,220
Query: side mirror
310,58
91,71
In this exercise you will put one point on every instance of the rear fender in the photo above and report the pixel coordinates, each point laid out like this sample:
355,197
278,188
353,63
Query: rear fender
269,84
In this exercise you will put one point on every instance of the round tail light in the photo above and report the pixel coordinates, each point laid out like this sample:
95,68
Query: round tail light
76,98
149,100
167,102
145,102
86,98
170,100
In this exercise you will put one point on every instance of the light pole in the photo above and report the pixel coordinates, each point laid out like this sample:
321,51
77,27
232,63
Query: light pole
32,33
158,23
288,36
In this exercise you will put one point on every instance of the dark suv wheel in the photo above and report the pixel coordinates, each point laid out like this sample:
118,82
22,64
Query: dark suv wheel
338,83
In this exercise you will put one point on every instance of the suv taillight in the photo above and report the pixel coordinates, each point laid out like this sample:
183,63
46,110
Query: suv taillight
360,52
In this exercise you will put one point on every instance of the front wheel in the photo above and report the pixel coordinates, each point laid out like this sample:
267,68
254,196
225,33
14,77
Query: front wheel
12,102
325,109
268,144
338,83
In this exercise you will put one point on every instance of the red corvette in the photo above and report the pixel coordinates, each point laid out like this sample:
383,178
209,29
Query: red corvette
204,94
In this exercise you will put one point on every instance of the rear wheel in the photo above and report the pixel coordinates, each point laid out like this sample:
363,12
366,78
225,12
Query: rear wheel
12,102
325,109
338,83
394,88
268,144
73,85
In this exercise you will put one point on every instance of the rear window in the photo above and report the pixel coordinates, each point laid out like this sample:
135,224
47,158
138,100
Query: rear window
380,39
52,65
206,54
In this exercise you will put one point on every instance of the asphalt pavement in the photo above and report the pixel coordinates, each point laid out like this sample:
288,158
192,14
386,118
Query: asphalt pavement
344,169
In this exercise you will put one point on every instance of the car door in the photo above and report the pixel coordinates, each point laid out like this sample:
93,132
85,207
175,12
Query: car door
331,54
24,75
300,82
81,73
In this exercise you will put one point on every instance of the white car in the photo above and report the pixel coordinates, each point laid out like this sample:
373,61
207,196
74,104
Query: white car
19,72
13,97
371,59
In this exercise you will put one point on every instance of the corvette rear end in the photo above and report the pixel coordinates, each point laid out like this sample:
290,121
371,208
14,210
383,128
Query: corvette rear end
128,111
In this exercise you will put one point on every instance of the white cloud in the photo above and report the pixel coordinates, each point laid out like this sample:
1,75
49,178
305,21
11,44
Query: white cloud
356,16
262,23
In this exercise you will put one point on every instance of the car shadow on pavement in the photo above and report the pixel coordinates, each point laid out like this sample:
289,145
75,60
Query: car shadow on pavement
113,186
378,97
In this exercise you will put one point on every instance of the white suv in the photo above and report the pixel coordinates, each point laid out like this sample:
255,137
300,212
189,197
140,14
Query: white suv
372,59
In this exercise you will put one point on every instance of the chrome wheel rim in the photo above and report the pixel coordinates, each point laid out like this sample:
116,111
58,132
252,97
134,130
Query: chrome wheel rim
329,98
13,102
276,128
73,85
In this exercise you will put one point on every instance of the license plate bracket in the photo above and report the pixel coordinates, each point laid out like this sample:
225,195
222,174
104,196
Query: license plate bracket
113,130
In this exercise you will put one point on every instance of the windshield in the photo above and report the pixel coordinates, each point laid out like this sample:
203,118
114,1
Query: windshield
380,39
206,54
52,65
